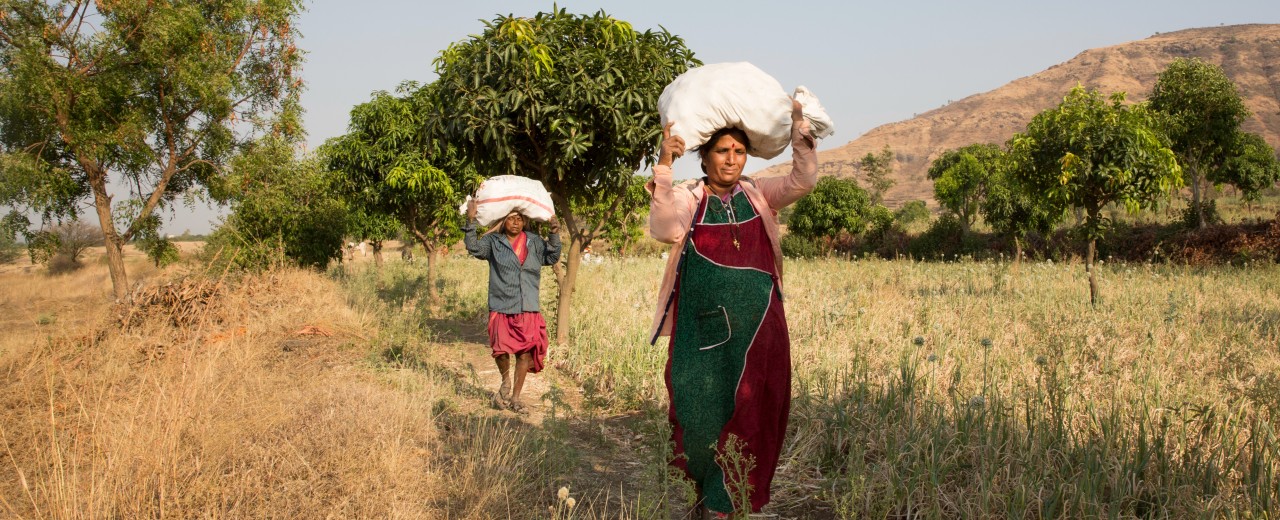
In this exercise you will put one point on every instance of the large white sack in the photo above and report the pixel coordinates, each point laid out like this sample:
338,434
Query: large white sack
497,196
740,95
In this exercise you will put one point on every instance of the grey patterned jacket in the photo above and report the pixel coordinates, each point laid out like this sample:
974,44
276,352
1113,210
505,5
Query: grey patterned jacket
513,288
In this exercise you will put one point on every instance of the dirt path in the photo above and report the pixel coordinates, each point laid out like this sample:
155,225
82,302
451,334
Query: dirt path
614,455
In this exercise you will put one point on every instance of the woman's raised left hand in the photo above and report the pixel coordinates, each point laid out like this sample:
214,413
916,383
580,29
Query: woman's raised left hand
797,111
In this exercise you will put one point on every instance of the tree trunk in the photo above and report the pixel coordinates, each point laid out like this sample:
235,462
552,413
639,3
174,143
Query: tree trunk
111,239
433,294
1017,260
567,279
1093,273
432,250
1197,197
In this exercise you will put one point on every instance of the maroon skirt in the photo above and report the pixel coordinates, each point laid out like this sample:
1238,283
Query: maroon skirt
519,333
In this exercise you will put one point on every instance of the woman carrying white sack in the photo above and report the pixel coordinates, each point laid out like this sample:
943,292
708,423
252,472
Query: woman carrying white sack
516,327
728,370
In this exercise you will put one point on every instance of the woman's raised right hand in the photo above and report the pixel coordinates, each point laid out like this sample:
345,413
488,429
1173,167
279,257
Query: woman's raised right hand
672,146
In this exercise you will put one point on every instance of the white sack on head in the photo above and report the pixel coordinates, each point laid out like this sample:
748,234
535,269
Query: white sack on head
740,95
499,195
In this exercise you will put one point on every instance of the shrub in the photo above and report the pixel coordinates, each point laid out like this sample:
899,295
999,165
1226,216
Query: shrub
10,250
1190,219
943,238
911,212
796,246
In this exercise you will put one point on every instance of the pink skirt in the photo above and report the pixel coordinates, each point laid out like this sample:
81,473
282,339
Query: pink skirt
519,333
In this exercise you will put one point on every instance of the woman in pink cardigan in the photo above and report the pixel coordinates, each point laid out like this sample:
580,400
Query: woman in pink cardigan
728,368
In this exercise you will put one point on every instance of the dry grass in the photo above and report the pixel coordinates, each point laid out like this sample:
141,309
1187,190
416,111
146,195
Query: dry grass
267,405
1158,403
964,390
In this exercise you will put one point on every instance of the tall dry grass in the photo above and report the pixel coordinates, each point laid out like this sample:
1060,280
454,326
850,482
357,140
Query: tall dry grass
276,402
962,390
934,390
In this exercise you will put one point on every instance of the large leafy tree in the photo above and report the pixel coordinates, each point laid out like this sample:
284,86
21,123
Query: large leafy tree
1202,115
960,178
1092,151
566,99
391,173
151,97
834,206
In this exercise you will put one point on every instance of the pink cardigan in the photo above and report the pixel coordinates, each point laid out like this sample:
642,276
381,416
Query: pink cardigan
672,208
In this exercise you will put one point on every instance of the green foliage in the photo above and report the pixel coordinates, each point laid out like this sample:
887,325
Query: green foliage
878,168
284,210
11,226
960,179
622,226
1013,209
911,212
569,100
796,246
943,238
154,97
393,177
834,206
1203,212
1251,166
1202,111
880,220
1089,152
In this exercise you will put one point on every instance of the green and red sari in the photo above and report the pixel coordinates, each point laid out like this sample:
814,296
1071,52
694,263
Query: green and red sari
729,361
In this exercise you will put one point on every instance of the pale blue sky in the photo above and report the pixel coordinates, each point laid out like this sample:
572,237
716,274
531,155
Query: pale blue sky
869,63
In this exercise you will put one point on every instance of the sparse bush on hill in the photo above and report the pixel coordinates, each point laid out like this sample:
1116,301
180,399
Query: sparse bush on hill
60,247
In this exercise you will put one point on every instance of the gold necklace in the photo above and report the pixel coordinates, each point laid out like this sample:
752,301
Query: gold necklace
733,221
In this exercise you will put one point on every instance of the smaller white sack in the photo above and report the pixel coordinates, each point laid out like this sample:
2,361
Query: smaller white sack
819,122
499,195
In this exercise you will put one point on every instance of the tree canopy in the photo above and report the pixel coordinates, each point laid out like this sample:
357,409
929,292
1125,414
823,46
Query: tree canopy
154,96
878,168
960,179
1089,152
392,175
834,206
570,100
1202,112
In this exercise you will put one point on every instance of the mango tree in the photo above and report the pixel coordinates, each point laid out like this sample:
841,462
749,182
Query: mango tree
834,206
390,173
565,99
1202,112
152,97
960,179
1011,208
1089,152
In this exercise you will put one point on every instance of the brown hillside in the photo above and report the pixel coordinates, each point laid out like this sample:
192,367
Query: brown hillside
1249,54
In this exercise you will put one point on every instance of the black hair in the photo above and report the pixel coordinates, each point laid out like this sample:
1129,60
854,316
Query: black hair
705,148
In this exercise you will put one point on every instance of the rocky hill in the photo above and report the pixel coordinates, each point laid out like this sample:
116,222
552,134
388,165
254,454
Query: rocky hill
1248,54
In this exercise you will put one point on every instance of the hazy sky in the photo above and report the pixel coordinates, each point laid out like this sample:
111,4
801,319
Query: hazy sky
869,63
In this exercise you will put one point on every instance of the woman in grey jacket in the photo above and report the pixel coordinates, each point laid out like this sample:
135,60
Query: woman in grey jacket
516,327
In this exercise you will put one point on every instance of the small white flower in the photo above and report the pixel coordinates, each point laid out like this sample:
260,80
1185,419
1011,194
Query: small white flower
563,494
570,502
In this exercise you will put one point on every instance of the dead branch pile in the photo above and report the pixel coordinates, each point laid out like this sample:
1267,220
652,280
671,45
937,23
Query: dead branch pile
184,303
